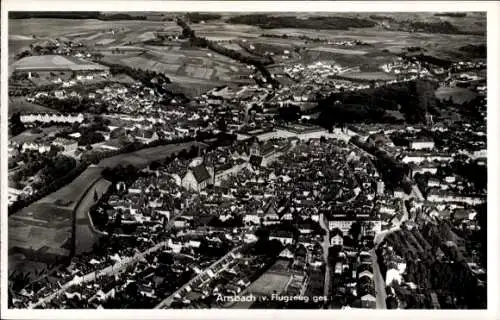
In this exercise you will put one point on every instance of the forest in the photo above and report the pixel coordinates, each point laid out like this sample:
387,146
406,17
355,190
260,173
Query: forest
413,99
321,22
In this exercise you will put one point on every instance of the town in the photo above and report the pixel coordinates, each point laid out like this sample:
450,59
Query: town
302,182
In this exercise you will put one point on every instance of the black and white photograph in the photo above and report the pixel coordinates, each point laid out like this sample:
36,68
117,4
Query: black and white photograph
246,160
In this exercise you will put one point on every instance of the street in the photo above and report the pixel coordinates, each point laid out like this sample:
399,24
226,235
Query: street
380,293
326,245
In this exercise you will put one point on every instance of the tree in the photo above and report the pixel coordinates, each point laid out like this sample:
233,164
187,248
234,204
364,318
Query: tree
355,230
155,165
90,137
274,248
15,124
98,56
118,220
291,113
132,289
262,234
222,125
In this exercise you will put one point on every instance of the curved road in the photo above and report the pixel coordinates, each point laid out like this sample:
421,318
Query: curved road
326,245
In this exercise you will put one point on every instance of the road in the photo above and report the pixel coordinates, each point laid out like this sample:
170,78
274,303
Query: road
380,294
326,245
377,275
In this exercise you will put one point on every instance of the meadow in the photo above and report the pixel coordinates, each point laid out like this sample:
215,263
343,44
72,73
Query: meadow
19,104
268,283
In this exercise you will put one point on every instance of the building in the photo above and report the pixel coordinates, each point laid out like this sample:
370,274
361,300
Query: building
197,178
438,195
13,195
67,144
368,301
380,187
343,222
285,237
52,117
422,144
336,238
40,147
421,156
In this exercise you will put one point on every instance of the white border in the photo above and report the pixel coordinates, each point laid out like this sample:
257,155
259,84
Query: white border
493,9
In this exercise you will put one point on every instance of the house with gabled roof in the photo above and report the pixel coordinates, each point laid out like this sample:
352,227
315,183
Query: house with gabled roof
196,178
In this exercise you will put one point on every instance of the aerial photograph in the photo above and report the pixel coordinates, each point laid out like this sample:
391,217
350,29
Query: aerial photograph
247,160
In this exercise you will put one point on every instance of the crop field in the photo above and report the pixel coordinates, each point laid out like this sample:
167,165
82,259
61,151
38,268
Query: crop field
33,231
458,95
186,68
68,195
60,27
339,50
143,157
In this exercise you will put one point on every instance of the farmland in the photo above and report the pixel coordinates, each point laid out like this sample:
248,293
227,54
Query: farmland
194,70
143,157
369,76
68,196
339,50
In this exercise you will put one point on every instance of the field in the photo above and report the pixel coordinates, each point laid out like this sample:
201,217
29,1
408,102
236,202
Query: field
68,196
36,231
19,104
143,157
85,235
458,95
369,76
339,50
268,283
194,70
